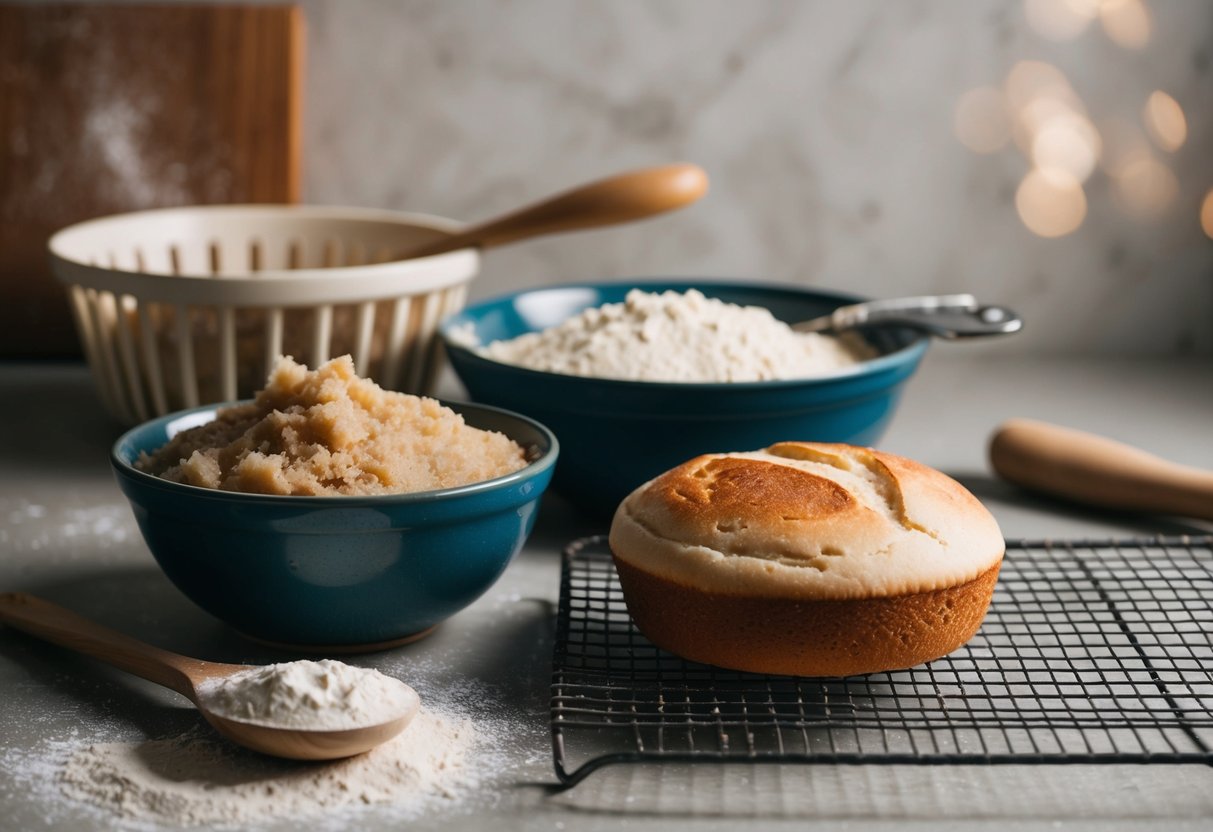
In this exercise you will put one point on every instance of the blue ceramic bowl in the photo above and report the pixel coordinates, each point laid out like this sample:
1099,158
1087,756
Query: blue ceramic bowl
335,572
617,435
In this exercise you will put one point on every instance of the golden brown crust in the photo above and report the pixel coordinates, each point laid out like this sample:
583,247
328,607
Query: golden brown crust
805,637
807,520
707,489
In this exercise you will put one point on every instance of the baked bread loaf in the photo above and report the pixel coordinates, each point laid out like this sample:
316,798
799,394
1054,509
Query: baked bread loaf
806,559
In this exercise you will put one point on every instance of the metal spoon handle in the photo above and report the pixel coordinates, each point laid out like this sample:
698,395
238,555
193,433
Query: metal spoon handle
57,625
945,316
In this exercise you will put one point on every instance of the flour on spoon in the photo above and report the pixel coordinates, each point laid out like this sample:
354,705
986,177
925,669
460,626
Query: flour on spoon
312,696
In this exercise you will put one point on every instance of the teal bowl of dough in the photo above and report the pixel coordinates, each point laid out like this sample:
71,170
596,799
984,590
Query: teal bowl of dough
617,434
339,573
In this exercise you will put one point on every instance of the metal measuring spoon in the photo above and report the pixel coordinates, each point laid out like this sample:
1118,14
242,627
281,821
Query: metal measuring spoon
186,676
944,316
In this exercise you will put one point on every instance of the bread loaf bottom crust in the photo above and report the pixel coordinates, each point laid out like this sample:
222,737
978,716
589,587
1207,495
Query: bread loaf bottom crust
805,637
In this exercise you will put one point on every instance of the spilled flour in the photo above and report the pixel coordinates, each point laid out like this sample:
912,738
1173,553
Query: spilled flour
78,751
200,779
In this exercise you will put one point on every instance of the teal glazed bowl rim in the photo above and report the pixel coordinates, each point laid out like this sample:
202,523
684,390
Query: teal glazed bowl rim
910,354
127,447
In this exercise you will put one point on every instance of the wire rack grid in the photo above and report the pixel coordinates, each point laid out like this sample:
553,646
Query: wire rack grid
1092,652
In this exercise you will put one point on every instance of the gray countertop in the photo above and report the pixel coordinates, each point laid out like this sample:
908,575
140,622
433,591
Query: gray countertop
66,533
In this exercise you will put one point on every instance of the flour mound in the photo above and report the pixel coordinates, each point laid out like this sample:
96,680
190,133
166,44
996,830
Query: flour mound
318,696
681,337
199,779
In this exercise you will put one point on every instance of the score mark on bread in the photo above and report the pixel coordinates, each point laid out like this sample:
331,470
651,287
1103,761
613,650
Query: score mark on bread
824,559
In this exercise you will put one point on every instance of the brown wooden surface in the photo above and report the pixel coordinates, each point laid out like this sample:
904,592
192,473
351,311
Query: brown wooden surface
106,109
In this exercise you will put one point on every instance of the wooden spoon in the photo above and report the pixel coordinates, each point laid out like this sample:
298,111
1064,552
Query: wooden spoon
185,675
628,196
1101,472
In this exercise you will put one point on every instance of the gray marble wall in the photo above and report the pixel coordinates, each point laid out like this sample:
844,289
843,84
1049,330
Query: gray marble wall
826,128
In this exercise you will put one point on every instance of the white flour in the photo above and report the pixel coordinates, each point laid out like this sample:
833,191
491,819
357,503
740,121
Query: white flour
678,337
323,695
494,735
199,778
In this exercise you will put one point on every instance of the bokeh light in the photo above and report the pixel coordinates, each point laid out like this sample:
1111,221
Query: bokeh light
1165,121
1206,214
1144,186
1032,117
1126,22
1123,141
1060,19
1039,95
1051,203
1069,142
1039,110
980,120
1031,80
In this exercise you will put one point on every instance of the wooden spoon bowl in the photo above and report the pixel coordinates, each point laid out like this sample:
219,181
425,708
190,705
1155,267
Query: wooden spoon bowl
188,676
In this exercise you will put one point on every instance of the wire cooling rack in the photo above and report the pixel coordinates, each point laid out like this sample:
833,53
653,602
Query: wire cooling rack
1092,652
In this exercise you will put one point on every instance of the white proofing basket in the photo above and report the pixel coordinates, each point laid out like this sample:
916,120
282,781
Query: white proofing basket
184,306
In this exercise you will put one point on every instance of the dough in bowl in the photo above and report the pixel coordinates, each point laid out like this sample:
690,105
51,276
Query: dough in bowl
328,433
806,559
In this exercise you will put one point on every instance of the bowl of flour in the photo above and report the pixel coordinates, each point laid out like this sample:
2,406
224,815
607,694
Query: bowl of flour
635,377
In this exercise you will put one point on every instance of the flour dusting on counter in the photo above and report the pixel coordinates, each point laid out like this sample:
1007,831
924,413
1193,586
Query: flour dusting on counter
679,337
198,778
29,526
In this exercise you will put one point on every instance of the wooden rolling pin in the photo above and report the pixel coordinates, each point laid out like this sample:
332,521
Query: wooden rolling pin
1100,472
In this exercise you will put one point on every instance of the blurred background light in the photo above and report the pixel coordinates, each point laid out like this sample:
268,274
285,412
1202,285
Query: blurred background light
1061,19
1165,121
1122,141
1049,123
1144,187
1206,214
1030,81
1069,142
1051,202
1126,22
980,120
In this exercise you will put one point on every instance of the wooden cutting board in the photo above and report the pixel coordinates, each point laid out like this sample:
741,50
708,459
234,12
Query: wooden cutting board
106,109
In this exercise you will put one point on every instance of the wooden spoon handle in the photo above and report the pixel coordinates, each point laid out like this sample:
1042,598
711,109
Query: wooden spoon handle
1102,472
60,626
629,196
